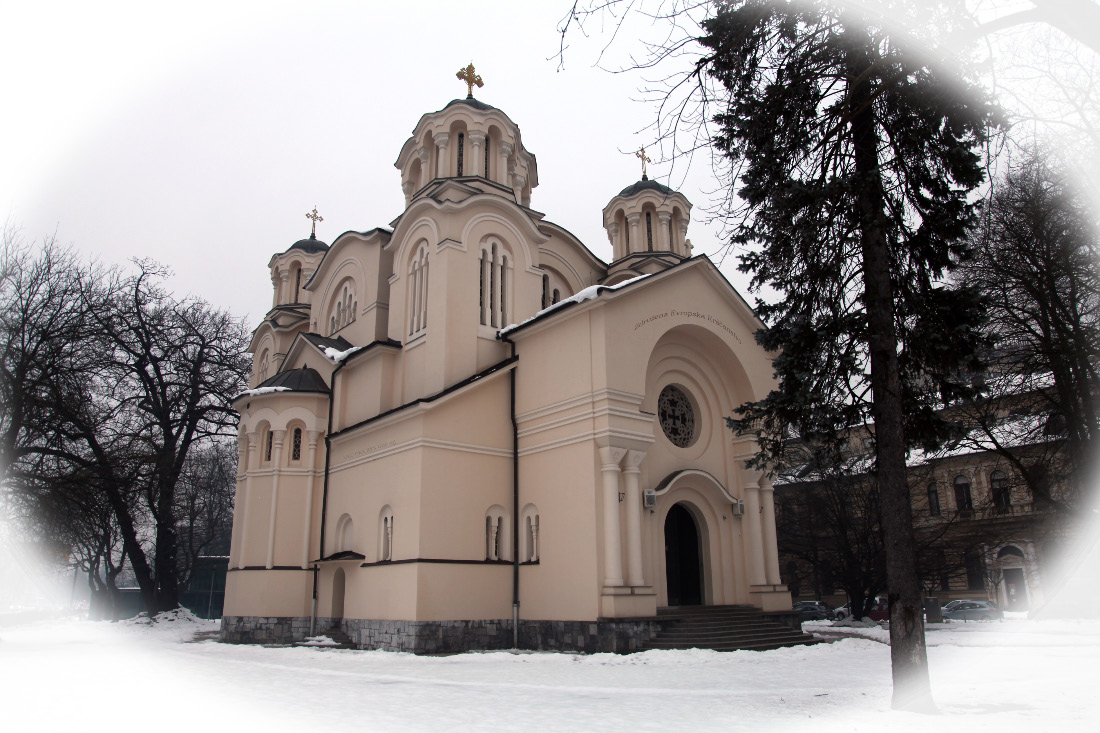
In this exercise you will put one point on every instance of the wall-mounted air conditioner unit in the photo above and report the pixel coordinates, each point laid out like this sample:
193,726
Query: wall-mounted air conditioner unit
738,507
649,499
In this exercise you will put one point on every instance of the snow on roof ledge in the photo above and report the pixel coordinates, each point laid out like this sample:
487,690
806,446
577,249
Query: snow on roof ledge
262,390
590,293
338,356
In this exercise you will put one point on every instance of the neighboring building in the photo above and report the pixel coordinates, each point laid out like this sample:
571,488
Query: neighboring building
417,471
981,532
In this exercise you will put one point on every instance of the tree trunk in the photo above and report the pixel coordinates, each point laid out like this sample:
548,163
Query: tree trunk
908,658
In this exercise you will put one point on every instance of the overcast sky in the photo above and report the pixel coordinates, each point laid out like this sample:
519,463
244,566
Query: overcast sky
199,134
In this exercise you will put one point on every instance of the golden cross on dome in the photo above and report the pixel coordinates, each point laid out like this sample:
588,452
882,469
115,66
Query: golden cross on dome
644,158
316,218
471,78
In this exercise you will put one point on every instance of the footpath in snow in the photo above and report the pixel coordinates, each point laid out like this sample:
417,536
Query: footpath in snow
67,674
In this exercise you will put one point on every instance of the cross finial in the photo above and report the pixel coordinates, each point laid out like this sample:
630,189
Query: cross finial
471,78
316,218
645,159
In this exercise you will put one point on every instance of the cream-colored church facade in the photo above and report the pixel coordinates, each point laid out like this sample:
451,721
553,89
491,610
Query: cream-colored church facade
467,431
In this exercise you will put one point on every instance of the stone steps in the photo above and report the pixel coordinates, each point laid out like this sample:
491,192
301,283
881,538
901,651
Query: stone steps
722,628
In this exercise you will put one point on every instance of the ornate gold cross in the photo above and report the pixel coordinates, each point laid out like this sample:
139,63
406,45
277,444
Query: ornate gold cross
644,158
316,218
471,78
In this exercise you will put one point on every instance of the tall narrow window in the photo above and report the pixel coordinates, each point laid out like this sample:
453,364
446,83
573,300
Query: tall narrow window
385,535
296,447
267,447
503,290
297,284
933,500
649,230
998,484
556,297
494,289
461,151
545,291
975,579
482,267
496,284
418,292
487,156
963,500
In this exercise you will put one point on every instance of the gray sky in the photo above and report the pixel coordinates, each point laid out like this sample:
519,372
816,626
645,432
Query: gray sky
200,134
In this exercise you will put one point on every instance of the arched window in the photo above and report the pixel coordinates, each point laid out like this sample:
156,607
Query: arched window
296,445
545,291
385,534
497,538
933,499
418,291
345,534
461,152
297,284
262,367
488,144
267,445
529,544
1002,495
963,501
556,297
495,285
343,310
649,230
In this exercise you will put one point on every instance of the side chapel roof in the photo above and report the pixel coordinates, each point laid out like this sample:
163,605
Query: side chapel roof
297,380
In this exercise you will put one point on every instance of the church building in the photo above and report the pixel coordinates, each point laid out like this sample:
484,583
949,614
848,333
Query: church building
466,431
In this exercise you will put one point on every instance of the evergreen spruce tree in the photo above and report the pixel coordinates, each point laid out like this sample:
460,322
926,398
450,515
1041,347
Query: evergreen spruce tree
856,156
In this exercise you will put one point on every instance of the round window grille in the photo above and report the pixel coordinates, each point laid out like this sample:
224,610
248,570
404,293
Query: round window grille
677,416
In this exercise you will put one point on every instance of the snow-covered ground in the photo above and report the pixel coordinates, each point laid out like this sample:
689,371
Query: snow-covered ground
62,675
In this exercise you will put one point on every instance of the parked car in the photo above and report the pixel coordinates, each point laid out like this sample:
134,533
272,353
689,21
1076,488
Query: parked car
973,611
818,605
952,604
810,611
879,612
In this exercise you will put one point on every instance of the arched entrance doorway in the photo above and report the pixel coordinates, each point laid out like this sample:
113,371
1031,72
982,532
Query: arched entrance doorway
683,566
337,597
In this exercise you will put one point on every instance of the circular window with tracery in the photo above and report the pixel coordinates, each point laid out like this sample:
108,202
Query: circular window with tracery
677,416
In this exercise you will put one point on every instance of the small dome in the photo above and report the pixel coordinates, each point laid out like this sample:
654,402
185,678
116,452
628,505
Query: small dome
298,380
472,103
310,245
645,185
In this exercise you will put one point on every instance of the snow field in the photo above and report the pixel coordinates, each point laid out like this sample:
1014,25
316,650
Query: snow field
93,676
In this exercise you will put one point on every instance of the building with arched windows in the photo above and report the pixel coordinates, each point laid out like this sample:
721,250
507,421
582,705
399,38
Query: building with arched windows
465,430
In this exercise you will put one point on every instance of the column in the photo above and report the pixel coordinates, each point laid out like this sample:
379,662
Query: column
631,475
612,549
238,516
425,169
771,548
284,285
253,439
664,237
616,245
504,173
632,220
476,137
442,165
754,550
307,525
277,450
